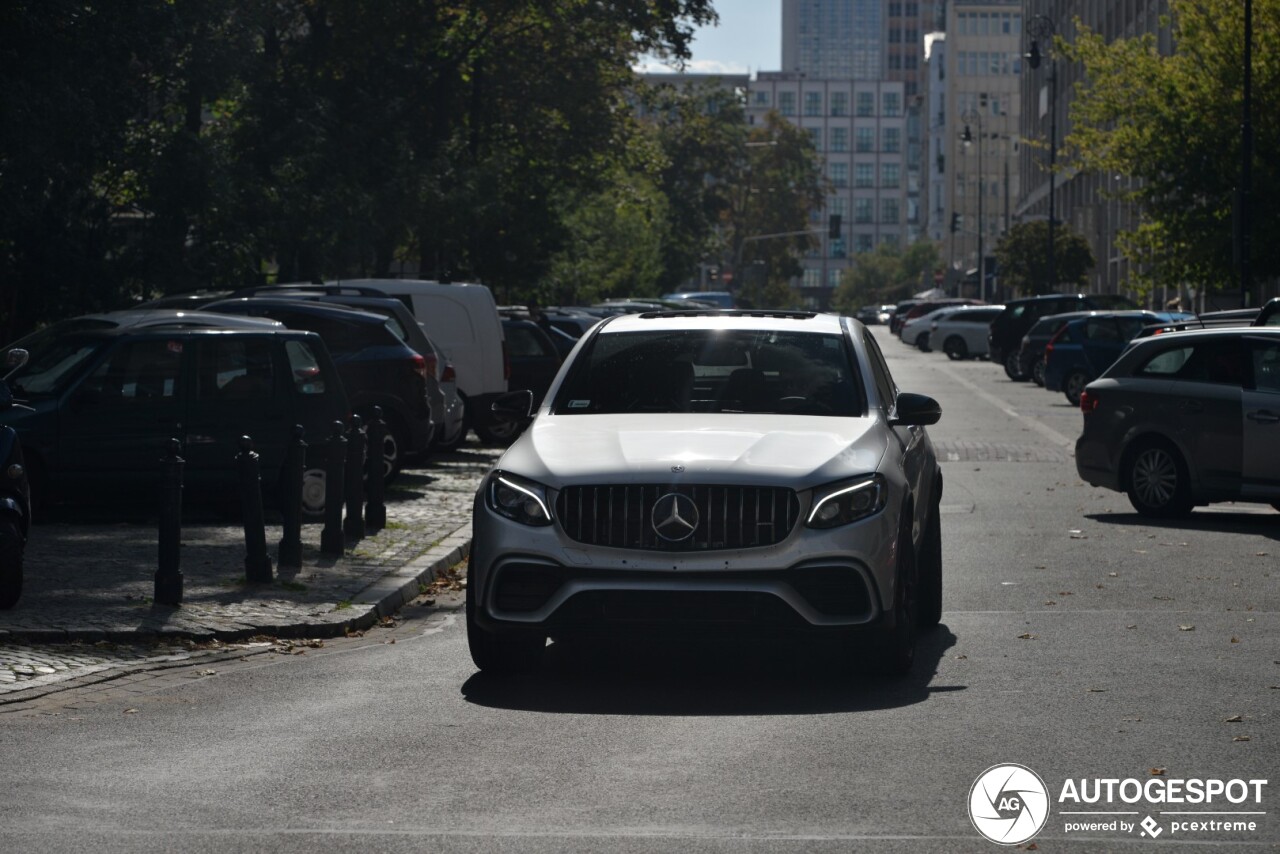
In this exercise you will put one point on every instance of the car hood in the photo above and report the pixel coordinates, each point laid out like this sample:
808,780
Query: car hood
796,451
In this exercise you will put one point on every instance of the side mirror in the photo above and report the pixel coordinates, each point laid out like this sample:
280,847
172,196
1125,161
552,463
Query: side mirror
915,410
513,406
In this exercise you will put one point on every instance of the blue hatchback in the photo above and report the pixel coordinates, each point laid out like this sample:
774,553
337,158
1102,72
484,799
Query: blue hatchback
1087,346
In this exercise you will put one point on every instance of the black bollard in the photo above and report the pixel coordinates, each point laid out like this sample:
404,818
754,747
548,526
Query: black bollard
331,540
290,551
353,528
375,508
257,566
168,575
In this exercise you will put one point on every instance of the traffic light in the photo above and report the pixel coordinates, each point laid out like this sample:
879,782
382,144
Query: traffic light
955,222
833,226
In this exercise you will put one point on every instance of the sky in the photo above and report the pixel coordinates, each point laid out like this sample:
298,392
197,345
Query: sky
748,39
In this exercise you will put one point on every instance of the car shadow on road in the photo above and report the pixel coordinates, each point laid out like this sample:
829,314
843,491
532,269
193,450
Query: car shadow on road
708,678
1216,521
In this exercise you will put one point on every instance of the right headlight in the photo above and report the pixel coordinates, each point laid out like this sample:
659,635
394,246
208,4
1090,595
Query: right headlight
848,501
518,499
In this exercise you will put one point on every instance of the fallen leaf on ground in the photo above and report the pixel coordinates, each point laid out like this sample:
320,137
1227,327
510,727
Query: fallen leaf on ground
1026,636
1157,772
1096,691
1234,719
130,711
1132,626
206,672
1186,628
1241,738
1235,639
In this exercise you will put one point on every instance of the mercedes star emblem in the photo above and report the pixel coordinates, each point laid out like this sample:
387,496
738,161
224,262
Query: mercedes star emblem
675,517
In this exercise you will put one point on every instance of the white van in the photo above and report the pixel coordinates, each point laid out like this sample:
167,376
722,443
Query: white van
463,319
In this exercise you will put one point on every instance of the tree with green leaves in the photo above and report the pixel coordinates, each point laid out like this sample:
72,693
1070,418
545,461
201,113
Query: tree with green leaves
889,274
1174,123
773,184
1022,257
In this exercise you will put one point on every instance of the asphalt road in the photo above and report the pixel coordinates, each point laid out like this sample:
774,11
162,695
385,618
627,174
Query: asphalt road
1077,640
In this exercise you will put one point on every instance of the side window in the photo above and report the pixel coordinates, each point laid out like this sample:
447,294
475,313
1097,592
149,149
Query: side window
1266,365
1218,362
1130,327
521,341
1166,364
1101,329
234,369
308,378
139,371
885,389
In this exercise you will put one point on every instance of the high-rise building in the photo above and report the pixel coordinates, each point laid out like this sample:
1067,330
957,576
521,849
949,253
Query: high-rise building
1085,201
858,39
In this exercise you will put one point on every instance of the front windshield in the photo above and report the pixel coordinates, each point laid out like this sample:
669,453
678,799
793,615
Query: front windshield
55,361
728,371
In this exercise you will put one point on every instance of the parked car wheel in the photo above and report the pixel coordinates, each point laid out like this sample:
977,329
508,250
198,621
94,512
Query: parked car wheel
501,654
922,342
1012,368
955,348
1156,480
393,447
10,563
1074,384
1037,372
500,433
452,443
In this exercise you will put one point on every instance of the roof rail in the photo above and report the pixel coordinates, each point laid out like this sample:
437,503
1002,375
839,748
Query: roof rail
731,312
308,287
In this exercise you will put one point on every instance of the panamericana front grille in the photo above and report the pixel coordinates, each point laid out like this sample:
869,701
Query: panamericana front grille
729,517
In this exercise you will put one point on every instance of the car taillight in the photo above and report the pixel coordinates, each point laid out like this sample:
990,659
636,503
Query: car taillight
449,375
432,364
420,366
1048,348
1089,401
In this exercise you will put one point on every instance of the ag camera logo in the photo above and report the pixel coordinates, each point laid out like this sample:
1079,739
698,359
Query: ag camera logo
1008,804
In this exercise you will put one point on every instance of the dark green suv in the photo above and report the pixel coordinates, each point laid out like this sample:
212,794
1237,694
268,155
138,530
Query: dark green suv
101,406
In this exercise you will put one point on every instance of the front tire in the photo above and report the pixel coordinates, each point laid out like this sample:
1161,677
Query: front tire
922,342
894,650
929,612
1157,481
11,547
1037,372
955,348
501,654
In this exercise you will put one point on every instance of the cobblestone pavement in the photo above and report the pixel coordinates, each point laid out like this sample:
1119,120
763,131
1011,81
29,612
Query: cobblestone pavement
86,608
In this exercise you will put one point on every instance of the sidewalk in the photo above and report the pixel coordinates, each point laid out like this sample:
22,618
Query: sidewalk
94,582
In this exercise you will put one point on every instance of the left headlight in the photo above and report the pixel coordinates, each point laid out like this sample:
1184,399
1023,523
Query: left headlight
518,499
847,501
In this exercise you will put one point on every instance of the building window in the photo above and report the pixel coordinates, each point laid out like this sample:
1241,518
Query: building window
787,103
892,140
761,98
833,276
888,240
890,175
862,210
837,205
839,139
866,104
839,103
815,137
864,175
840,175
895,62
813,103
812,278
837,248
864,139
895,35
892,104
889,211
862,243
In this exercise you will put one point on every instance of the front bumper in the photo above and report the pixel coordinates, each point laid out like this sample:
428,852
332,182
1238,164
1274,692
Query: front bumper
813,581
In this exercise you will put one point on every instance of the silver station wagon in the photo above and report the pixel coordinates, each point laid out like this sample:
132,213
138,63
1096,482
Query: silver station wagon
713,471
1187,418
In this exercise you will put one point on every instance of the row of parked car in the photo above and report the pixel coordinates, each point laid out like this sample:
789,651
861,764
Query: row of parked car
1179,409
100,394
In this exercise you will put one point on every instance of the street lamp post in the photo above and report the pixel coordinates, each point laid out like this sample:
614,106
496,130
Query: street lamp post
1039,27
975,117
